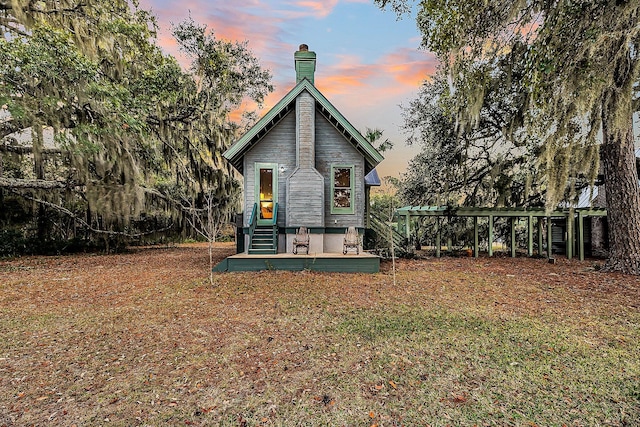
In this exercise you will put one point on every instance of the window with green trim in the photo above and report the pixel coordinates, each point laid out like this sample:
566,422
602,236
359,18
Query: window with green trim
342,189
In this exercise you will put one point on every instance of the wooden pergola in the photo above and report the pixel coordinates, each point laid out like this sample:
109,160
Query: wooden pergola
571,216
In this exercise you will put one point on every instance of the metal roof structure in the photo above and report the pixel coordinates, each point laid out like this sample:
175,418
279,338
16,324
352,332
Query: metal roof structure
372,179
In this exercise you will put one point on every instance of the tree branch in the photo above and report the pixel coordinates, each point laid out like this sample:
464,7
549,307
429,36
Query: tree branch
39,184
82,222
26,149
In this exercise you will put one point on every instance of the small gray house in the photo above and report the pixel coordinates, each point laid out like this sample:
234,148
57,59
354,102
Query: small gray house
305,165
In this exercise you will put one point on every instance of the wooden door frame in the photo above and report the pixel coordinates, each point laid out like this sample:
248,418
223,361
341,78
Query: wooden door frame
274,168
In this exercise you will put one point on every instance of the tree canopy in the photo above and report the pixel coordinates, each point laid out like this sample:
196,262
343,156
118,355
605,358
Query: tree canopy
579,62
488,164
102,131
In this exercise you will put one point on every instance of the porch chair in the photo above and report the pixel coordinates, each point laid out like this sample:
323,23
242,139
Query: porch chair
301,239
351,241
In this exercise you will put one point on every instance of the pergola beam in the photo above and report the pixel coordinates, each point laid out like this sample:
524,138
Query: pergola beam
500,212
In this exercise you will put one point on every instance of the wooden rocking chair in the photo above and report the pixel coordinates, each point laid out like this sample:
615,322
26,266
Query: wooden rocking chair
351,241
301,239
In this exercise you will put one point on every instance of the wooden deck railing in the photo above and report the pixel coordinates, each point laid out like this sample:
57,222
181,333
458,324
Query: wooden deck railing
275,227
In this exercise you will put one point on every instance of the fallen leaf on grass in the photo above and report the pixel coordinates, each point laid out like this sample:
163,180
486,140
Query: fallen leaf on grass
459,399
392,384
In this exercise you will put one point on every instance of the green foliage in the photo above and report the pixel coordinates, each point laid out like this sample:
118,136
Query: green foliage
374,136
485,163
10,243
383,205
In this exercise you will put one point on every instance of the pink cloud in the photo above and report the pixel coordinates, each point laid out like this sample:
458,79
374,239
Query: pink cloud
397,72
262,25
344,76
320,8
410,66
255,22
275,96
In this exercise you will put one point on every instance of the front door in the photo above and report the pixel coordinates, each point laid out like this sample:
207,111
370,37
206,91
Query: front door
266,191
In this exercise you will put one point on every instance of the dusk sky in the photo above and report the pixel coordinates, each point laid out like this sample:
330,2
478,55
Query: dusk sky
368,62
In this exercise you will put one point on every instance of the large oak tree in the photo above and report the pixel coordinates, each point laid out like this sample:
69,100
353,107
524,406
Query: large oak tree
581,61
98,126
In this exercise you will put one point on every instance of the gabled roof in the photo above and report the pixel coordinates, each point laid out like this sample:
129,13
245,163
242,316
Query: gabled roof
237,151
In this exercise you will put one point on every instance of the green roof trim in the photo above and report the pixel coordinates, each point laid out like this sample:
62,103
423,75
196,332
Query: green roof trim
236,152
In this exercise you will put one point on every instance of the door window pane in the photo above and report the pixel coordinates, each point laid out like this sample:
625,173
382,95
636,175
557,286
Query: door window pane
266,193
266,210
266,184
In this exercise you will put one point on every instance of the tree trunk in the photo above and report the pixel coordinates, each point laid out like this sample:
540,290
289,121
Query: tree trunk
622,188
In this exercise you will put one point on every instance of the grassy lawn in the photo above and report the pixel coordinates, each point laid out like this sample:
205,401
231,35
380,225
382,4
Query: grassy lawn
143,339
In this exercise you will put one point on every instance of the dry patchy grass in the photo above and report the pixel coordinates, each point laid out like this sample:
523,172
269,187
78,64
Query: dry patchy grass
143,339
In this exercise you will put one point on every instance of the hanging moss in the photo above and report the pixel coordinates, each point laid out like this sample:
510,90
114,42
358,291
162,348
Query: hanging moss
127,120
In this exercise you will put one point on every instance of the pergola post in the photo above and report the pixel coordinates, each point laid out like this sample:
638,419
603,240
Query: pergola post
530,235
407,227
475,236
513,236
549,238
449,237
580,236
540,241
570,235
438,237
490,248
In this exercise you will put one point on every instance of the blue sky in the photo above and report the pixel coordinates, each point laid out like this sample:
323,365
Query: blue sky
368,62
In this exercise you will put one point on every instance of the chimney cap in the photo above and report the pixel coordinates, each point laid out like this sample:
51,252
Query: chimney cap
305,63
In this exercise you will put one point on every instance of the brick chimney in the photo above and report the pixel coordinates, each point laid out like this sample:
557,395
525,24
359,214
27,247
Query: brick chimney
305,62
